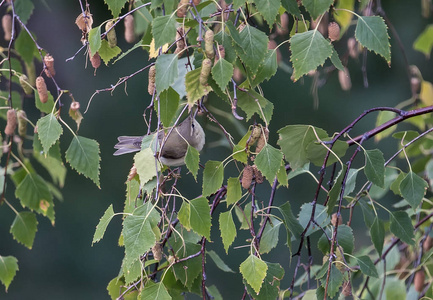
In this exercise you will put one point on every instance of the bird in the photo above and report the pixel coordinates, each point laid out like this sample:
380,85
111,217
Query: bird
175,146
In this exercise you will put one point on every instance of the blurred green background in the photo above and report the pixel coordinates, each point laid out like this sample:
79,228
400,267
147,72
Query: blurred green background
62,263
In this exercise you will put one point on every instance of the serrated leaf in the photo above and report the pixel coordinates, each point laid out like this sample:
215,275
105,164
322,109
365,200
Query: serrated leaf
24,9
401,226
268,161
395,185
377,233
345,239
194,89
335,191
375,167
213,176
219,262
168,105
8,269
46,107
251,102
103,223
282,176
200,218
252,47
413,188
137,231
335,281
227,228
33,191
192,159
367,267
222,72
164,30
289,219
270,236
26,47
371,32
335,59
291,6
95,39
424,42
83,156
294,140
186,272
24,228
320,216
184,215
254,270
145,163
108,53
132,272
234,192
271,283
317,7
166,71
115,6
309,50
267,69
268,9
344,18
155,291
350,181
316,152
49,131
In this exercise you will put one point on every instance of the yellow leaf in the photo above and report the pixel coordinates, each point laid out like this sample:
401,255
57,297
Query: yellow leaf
344,18
426,94
153,53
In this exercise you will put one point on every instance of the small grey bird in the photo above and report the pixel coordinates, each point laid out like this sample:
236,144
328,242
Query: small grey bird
175,146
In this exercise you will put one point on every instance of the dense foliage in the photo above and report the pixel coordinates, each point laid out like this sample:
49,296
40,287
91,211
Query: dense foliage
224,50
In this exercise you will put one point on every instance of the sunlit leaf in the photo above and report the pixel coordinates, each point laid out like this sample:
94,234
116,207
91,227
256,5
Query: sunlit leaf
271,283
95,39
344,18
194,89
115,6
144,161
424,42
227,228
108,53
254,270
234,192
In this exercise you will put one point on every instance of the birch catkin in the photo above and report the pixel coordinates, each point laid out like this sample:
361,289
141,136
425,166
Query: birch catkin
111,35
129,29
205,71
22,123
11,124
41,86
49,63
208,44
151,84
7,26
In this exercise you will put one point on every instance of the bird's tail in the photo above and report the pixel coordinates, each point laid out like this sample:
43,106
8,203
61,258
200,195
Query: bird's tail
128,144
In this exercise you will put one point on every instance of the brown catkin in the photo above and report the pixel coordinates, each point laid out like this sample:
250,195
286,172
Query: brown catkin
352,46
344,79
428,243
151,85
157,251
247,176
74,106
208,44
335,220
95,60
237,75
7,26
418,281
11,124
41,86
258,175
263,139
182,8
111,35
180,41
49,63
25,84
84,22
22,123
196,2
347,289
333,31
132,173
205,71
129,29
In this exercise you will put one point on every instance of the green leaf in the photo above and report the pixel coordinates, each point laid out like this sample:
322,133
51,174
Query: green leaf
184,215
317,7
336,60
194,89
251,102
132,272
345,239
271,283
219,262
244,215
8,269
377,233
191,160
424,42
164,30
270,236
145,163
382,117
32,191
335,281
282,176
138,232
234,191
253,270
395,185
26,47
95,39
200,218
222,72
252,47
316,152
46,107
107,53
413,188
367,267
268,9
372,33
24,228
320,216
350,181
103,223
267,69
83,156
401,226
115,6
213,176
289,219
309,50
294,140
166,71
395,289
291,6
155,291
334,193
24,9
52,162
375,167
168,104
49,131
268,161
227,228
